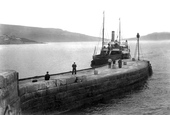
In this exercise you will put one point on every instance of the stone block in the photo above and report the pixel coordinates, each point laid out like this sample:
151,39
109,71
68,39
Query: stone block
16,76
52,91
133,59
124,63
3,103
1,111
27,97
50,84
95,72
62,82
101,80
9,92
71,99
84,78
86,84
26,105
42,85
72,86
113,66
10,76
81,78
70,80
22,90
7,77
62,88
22,98
13,92
32,88
82,90
61,95
40,93
2,81
79,81
57,82
3,93
15,107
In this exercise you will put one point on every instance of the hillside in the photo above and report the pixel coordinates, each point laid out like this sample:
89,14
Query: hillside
43,34
6,39
155,36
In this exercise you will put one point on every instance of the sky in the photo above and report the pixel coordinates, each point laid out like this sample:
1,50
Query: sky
86,16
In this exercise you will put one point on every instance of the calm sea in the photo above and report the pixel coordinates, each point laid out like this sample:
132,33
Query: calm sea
153,99
35,59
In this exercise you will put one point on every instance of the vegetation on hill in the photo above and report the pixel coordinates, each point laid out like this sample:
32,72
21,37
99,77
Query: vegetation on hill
6,39
155,36
14,34
44,34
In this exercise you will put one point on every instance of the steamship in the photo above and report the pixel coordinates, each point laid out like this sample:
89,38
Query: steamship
113,50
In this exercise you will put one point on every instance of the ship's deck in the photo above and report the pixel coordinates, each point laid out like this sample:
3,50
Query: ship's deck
89,73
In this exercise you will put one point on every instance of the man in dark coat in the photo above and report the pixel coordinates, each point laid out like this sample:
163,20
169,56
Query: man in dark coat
47,76
74,68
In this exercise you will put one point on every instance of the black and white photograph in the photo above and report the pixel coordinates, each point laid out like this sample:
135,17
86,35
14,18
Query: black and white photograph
84,57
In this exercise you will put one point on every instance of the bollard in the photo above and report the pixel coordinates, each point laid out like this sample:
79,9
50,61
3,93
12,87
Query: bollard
109,63
113,66
95,72
124,63
133,59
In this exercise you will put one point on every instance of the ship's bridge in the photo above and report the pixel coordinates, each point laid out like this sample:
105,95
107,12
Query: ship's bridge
115,51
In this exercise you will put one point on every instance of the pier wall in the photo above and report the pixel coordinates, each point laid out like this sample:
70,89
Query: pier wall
9,98
57,95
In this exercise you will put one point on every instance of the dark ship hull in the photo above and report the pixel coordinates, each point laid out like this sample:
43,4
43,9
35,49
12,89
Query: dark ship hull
126,56
114,52
99,60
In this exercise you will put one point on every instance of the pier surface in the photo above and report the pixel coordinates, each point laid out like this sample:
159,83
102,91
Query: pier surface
65,91
89,73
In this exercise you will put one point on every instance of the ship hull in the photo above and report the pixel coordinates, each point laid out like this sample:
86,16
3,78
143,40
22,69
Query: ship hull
99,60
126,56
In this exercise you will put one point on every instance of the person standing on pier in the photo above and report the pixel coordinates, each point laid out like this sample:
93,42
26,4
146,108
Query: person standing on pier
47,76
120,63
74,68
109,62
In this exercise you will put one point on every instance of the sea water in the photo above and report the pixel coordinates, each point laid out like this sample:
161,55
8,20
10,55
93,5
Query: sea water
35,59
152,99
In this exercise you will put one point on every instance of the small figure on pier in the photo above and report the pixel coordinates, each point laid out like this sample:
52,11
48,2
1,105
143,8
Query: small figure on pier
113,64
47,76
120,63
74,68
114,61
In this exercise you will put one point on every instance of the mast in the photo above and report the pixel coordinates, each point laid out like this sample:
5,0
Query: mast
119,30
103,30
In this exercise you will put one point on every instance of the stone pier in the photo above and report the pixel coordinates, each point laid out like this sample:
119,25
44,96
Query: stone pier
9,93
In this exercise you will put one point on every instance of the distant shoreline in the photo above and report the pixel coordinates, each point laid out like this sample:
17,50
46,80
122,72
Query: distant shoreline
21,43
148,40
47,42
133,40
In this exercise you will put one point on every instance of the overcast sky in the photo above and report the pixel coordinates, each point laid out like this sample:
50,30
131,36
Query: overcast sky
85,16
